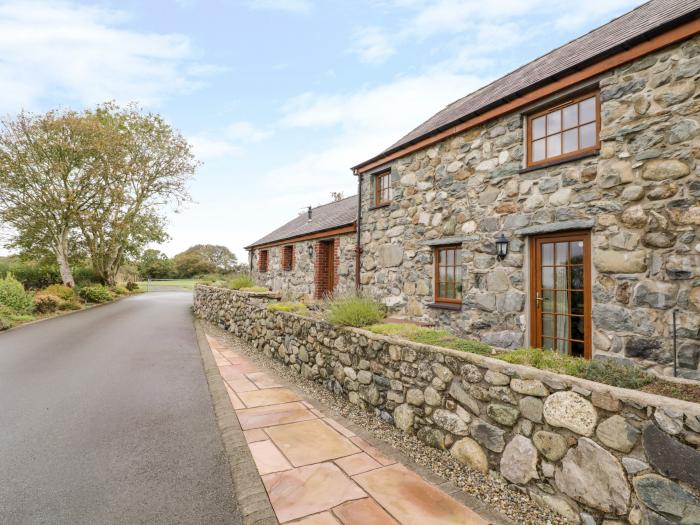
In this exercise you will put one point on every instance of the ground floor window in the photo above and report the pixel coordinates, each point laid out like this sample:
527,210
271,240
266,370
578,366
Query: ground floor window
448,274
561,305
288,258
263,258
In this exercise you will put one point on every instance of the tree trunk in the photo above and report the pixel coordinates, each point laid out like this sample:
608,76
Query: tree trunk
62,259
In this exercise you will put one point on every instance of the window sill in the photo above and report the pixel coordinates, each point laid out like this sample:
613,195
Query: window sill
378,206
560,161
456,307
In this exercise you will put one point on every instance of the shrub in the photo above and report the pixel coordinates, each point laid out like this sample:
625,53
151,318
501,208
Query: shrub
132,286
354,310
95,293
256,289
606,372
64,292
118,289
46,303
431,336
9,318
241,281
296,308
14,296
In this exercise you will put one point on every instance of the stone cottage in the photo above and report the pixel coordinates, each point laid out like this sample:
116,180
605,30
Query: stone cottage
556,207
311,256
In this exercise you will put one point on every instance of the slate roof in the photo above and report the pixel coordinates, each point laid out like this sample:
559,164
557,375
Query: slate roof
635,26
324,217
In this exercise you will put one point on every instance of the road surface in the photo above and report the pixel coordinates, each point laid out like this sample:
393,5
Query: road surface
105,417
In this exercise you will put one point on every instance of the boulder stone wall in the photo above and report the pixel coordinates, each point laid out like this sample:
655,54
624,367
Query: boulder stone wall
592,452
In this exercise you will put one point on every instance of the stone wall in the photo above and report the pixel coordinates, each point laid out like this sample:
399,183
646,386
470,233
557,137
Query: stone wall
639,196
588,451
299,282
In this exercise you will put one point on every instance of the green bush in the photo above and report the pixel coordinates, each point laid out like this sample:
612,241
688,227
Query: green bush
132,286
118,289
241,281
95,294
296,308
8,318
64,292
431,336
256,289
354,310
606,372
14,296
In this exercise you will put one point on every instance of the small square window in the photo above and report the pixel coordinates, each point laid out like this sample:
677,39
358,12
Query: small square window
564,131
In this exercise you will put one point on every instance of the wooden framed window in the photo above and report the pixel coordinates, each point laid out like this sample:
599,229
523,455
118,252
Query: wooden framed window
263,259
382,188
563,131
288,258
448,274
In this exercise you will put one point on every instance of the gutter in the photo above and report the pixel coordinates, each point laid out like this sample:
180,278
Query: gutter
358,226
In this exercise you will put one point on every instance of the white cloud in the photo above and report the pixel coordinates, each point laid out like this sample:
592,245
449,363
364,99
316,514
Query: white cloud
295,6
82,54
227,142
372,45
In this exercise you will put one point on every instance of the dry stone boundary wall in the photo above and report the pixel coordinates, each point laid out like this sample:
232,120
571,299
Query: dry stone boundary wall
594,453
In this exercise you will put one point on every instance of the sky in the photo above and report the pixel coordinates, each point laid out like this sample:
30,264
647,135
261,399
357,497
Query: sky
279,98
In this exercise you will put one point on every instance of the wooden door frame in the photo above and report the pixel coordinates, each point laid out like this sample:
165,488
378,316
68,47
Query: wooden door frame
535,276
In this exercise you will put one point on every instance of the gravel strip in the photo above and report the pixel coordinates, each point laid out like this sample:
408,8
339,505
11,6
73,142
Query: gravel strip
496,494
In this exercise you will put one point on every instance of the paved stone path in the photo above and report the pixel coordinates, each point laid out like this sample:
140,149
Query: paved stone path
315,471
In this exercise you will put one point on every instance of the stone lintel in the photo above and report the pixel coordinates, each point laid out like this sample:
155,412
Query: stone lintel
552,227
459,239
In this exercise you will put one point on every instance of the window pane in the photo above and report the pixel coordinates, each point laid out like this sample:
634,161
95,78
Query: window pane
554,122
570,140
442,290
538,128
577,303
547,301
548,254
577,328
570,115
587,110
442,274
538,150
577,252
554,145
547,277
562,277
587,135
450,257
562,302
577,349
562,346
562,252
548,344
577,277
548,325
458,272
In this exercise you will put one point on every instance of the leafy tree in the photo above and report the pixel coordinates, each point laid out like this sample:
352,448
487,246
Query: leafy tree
156,264
147,168
48,167
221,259
189,264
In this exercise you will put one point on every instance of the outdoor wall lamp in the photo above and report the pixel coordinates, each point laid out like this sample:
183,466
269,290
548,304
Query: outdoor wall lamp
311,249
501,247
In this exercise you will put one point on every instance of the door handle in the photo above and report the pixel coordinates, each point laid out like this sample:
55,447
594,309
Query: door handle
539,300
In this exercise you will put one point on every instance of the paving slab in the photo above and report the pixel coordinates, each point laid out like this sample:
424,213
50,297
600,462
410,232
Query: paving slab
319,472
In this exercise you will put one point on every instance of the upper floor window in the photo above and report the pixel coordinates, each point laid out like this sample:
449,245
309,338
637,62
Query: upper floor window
288,258
382,188
563,131
448,274
263,258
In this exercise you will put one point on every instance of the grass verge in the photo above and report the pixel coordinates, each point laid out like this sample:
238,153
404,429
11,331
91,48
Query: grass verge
430,336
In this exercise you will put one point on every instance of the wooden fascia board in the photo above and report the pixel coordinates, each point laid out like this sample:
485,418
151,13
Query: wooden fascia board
670,37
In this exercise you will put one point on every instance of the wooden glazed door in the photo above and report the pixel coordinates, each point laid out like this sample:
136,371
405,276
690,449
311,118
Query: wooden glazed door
330,257
561,293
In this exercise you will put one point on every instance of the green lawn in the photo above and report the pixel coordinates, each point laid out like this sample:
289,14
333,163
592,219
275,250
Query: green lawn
177,283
